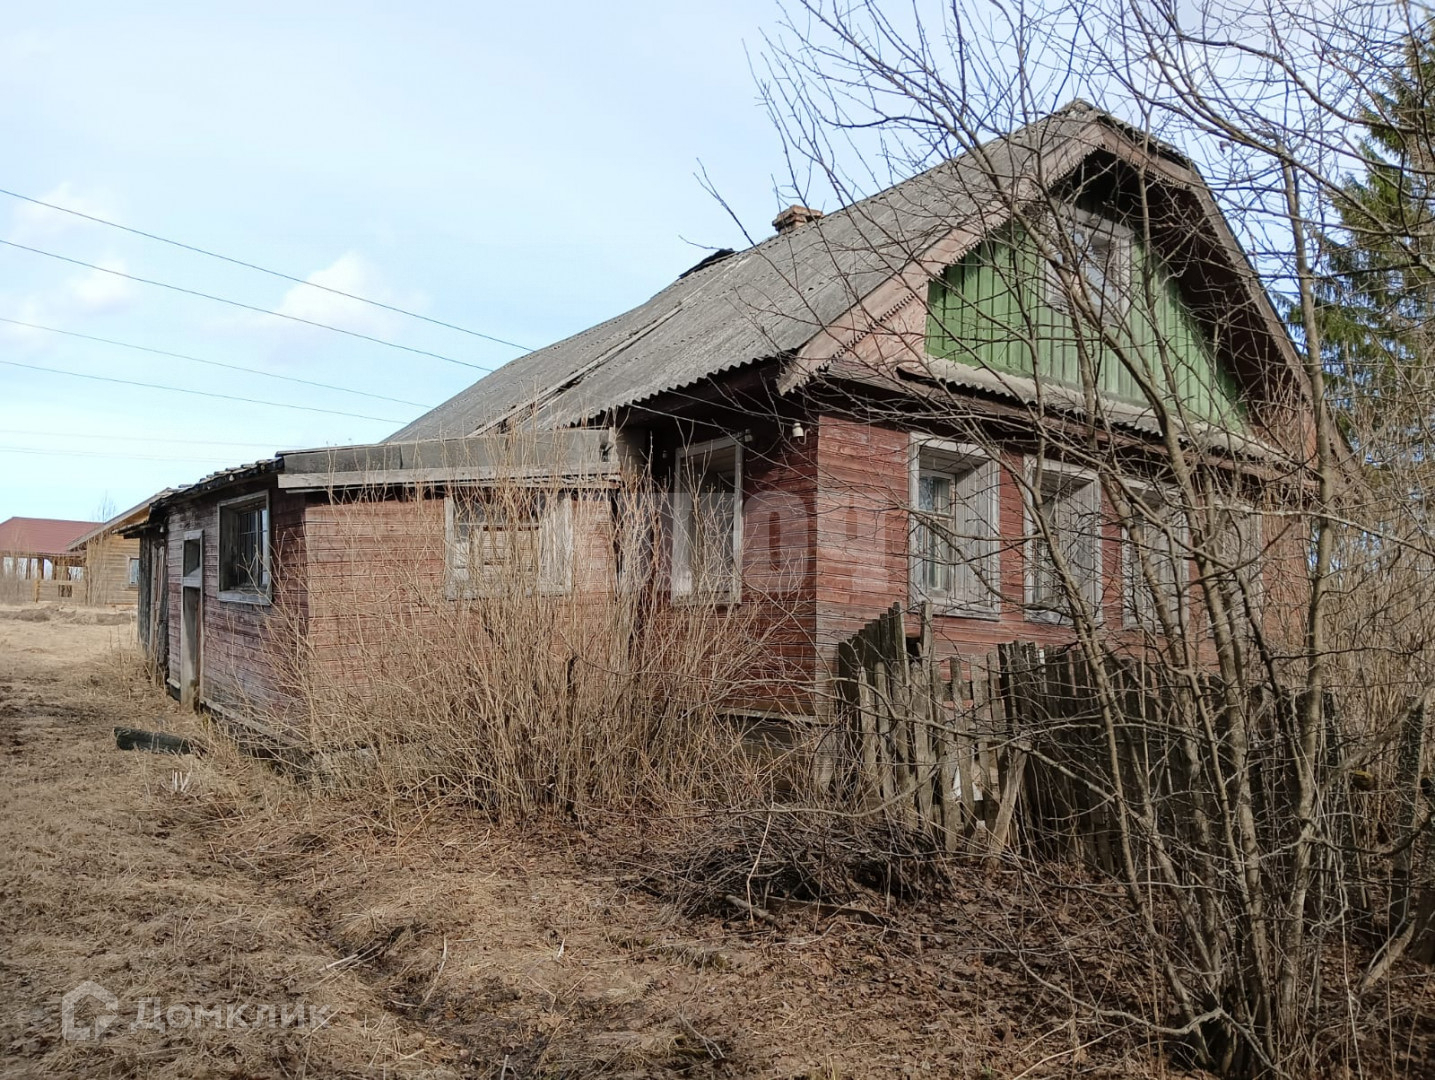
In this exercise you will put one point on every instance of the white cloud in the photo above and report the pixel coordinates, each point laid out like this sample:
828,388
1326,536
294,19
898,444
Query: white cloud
32,223
350,273
88,292
94,290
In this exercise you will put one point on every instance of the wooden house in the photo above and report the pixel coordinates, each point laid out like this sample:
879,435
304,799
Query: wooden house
874,406
111,560
37,562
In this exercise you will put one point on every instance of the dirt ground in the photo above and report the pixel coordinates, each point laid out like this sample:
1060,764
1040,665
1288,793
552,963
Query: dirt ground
210,899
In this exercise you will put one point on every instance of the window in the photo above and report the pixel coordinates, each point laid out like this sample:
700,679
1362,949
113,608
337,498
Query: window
133,577
1091,265
954,528
636,518
1154,567
502,542
707,522
1064,504
244,549
1235,551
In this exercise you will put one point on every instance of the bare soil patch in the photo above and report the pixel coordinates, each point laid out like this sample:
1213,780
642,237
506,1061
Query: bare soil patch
435,946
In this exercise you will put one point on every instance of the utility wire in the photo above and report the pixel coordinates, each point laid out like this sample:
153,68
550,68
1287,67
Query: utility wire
126,438
197,393
211,363
111,457
264,270
244,306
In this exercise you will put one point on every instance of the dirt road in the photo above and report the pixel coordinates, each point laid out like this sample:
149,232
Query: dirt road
207,917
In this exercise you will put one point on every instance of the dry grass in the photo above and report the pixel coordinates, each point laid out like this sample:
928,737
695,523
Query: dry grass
518,697
451,944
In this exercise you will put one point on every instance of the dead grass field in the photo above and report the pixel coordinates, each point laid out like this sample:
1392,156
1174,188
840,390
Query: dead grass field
439,946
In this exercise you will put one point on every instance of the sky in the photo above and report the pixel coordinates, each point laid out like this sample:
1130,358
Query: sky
522,171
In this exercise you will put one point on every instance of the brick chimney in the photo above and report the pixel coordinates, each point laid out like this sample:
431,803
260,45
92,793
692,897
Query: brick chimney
794,217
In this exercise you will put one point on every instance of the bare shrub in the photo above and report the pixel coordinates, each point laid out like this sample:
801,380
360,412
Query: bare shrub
509,646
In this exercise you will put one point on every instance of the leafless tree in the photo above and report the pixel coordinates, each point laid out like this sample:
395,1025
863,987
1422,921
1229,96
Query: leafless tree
1266,819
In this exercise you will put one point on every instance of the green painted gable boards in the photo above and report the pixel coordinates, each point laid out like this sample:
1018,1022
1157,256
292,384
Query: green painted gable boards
998,309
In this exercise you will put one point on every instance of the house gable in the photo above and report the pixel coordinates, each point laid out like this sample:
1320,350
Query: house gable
999,309
1235,365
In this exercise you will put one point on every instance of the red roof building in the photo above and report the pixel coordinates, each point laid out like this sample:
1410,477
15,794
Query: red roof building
45,537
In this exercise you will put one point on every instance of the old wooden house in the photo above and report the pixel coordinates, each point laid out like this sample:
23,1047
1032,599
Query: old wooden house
37,561
867,408
111,560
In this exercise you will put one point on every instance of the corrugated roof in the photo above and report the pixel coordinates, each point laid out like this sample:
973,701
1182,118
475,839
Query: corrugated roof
41,536
767,301
123,520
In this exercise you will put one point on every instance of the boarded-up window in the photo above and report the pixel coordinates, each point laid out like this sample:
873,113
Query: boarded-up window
707,523
508,542
954,523
1064,552
244,549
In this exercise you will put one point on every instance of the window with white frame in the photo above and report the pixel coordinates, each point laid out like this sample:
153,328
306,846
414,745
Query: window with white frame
1154,566
1235,543
707,522
954,527
244,549
500,542
1064,549
132,579
1091,267
636,519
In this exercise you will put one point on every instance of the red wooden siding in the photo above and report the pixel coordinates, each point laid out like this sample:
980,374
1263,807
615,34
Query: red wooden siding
243,646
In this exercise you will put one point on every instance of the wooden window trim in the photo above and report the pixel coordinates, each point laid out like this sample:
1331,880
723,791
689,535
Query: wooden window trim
928,454
1134,615
1122,258
554,526
1094,587
1253,571
261,596
681,587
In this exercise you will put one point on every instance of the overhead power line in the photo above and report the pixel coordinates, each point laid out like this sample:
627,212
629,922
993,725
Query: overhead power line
264,270
111,457
197,393
240,304
210,363
105,437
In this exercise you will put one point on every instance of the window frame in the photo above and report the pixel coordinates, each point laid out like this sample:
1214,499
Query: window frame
681,586
132,572
553,567
1249,577
955,461
1122,241
239,504
1094,587
1138,610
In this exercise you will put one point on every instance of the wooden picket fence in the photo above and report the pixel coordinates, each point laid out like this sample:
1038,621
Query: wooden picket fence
946,746
930,743
1012,750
